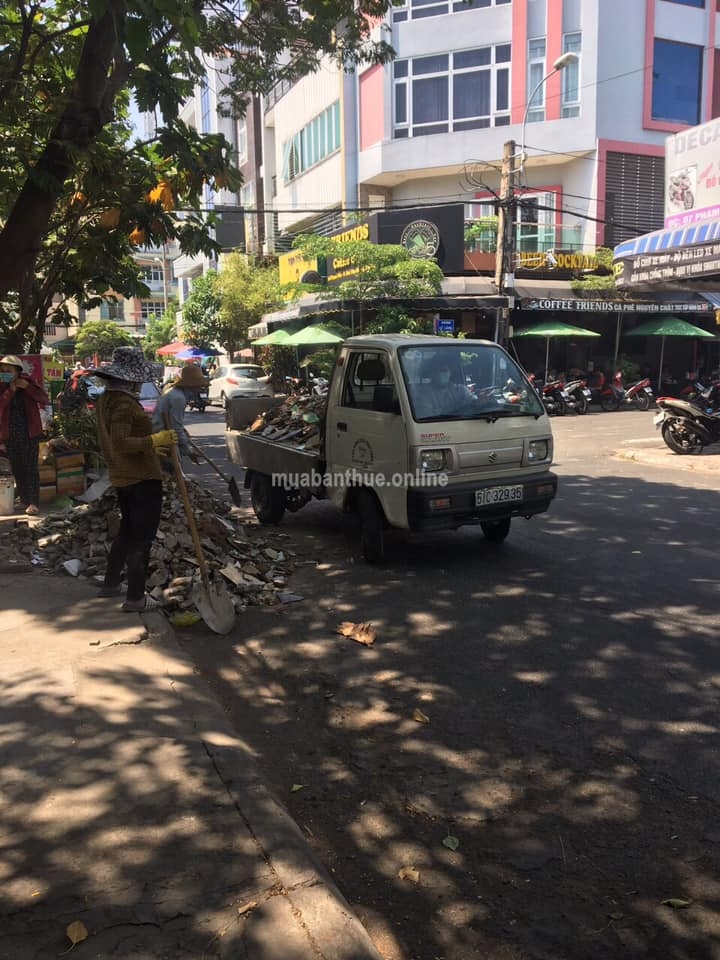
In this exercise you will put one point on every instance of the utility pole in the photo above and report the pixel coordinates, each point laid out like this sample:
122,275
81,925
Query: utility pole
505,250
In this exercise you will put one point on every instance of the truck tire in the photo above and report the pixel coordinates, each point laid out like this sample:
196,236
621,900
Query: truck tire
268,501
496,530
372,526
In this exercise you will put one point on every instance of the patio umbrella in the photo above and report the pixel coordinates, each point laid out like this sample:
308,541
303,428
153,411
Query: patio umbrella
553,329
278,338
171,349
196,353
668,326
311,337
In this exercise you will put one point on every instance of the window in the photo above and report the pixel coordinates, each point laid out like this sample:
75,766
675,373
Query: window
466,90
204,107
634,195
153,274
368,383
111,310
536,73
312,144
677,82
242,143
572,43
419,9
151,308
535,230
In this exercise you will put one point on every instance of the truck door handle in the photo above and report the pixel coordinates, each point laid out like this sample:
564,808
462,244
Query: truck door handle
342,426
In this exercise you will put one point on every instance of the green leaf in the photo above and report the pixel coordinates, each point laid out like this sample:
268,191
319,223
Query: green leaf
451,842
676,903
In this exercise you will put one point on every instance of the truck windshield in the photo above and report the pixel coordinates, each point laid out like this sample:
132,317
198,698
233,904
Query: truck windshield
465,381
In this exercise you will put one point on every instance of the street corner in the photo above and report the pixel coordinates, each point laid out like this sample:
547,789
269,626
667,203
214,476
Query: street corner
706,462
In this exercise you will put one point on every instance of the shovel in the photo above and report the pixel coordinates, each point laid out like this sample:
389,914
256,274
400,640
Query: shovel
233,489
212,601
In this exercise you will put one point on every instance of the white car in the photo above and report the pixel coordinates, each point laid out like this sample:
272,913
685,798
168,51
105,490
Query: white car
239,380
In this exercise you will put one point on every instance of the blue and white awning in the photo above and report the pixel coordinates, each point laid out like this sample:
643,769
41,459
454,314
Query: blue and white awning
668,256
668,239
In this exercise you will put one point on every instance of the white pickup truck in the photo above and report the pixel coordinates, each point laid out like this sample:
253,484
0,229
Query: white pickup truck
421,434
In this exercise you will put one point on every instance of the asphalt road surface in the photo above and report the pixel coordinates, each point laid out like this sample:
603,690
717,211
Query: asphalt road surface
526,763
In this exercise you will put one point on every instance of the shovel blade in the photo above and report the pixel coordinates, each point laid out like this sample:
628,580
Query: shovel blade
215,607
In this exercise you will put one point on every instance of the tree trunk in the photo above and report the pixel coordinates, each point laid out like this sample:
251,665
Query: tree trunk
100,74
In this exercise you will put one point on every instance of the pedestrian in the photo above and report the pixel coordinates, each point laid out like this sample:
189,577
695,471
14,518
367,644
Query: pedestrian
131,451
170,407
21,400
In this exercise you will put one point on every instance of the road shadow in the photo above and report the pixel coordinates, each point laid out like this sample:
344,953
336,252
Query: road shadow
525,764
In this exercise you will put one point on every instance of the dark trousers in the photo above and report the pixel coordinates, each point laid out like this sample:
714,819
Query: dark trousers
23,457
140,507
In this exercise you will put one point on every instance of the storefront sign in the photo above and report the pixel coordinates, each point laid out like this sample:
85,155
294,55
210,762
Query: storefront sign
293,266
685,263
692,175
616,306
556,261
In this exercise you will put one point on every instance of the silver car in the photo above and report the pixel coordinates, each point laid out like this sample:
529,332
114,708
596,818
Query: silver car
239,380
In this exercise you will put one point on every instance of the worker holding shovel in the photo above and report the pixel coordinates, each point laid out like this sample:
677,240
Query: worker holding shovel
171,407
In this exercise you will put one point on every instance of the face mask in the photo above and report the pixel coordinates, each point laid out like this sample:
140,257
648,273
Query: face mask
6,376
443,378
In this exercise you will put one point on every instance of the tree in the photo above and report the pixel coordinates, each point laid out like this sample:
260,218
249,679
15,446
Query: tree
383,271
66,72
101,337
160,331
201,311
248,289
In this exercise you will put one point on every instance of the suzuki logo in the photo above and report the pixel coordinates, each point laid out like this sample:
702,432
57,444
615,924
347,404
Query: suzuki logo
492,457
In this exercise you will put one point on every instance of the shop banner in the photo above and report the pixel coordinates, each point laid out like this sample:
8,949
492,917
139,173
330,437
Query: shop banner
692,175
693,262
616,306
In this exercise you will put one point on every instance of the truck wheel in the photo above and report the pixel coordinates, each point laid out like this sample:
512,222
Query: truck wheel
496,530
372,523
268,501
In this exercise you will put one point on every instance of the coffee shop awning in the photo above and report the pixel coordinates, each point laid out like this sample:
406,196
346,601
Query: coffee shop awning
672,259
559,296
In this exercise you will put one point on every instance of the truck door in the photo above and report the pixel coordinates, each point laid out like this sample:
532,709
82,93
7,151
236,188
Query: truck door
365,436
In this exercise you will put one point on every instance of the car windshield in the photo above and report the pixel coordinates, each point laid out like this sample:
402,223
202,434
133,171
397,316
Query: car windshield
249,372
465,381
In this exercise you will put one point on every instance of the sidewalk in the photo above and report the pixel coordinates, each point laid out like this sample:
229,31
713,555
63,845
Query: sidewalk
129,804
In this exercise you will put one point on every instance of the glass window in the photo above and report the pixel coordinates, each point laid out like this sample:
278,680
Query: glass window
536,72
572,43
242,140
430,100
536,222
420,9
677,82
312,144
152,308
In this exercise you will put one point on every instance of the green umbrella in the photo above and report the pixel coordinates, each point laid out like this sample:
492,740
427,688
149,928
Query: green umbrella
277,338
311,336
550,329
667,326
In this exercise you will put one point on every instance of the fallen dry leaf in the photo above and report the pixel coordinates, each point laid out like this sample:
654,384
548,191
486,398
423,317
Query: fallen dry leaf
247,907
420,717
361,632
409,873
296,786
76,932
676,903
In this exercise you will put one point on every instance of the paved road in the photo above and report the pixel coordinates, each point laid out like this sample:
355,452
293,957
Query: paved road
570,681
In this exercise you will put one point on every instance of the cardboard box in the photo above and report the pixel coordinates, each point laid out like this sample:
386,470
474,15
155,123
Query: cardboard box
48,473
48,492
69,461
71,483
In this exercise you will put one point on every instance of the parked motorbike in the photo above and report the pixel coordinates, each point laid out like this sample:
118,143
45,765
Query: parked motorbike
198,401
579,394
689,425
603,393
639,394
553,395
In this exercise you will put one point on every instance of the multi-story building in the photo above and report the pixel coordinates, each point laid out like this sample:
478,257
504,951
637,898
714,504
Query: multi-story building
470,76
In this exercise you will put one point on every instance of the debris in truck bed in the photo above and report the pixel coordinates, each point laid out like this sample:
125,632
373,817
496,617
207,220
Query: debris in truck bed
298,421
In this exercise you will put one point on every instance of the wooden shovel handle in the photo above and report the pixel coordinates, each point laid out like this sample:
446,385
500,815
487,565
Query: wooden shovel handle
182,487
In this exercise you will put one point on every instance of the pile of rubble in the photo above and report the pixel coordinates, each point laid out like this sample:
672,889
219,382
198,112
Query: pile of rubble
77,541
298,420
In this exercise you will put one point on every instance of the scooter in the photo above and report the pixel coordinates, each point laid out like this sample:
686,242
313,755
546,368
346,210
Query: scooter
580,395
688,426
639,394
198,401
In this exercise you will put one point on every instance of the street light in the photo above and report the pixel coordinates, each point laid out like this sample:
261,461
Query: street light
564,61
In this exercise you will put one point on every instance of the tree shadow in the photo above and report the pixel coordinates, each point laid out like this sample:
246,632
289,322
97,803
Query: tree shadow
570,682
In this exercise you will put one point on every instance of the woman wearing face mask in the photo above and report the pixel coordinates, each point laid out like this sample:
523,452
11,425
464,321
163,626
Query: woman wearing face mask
131,451
20,428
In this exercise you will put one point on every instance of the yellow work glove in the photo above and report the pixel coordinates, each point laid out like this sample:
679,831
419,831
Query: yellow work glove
162,440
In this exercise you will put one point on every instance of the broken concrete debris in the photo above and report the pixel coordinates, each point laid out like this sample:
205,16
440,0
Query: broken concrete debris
297,421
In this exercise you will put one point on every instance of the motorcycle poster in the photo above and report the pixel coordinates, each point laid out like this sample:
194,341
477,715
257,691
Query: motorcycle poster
682,189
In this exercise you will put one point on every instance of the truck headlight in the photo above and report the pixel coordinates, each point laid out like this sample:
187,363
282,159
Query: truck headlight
537,450
431,461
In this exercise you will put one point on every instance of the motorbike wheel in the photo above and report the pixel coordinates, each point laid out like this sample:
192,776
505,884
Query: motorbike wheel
642,401
688,200
581,403
609,402
681,438
560,407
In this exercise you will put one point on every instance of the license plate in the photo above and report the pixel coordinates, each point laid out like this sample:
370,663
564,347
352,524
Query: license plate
587,393
492,495
658,418
564,394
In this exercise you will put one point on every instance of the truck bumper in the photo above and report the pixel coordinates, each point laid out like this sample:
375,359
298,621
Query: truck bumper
445,508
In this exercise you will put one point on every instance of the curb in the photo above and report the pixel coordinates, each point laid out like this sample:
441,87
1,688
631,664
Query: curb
308,906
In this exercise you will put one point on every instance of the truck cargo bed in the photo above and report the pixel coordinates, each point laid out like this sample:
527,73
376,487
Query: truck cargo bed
271,457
